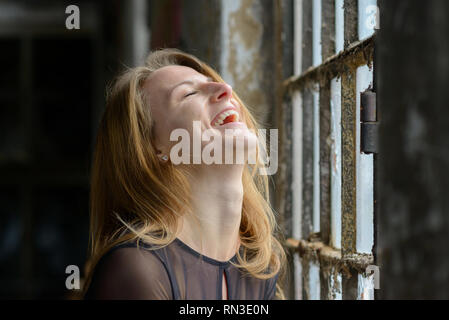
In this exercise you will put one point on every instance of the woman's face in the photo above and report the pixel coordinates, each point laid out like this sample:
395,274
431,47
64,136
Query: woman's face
180,95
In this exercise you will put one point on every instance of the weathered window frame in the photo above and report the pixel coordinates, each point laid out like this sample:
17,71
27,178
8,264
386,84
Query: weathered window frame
329,257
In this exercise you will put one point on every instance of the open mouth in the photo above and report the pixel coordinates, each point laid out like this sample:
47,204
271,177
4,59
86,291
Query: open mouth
226,117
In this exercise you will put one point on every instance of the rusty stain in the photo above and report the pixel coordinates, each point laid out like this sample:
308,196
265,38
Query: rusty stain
331,261
348,122
334,162
357,54
327,256
243,20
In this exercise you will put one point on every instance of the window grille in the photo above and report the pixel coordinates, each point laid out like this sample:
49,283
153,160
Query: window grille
332,188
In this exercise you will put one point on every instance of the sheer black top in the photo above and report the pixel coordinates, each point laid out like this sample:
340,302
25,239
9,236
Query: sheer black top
174,272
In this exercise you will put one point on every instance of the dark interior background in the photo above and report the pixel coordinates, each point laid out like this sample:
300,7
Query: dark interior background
52,87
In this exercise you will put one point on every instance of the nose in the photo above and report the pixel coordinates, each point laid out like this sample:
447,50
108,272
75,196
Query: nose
221,91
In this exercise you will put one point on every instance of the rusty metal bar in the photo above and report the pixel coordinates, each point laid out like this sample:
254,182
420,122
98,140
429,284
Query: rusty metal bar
349,146
319,252
357,54
349,165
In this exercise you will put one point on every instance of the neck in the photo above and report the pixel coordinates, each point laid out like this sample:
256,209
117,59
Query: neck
217,196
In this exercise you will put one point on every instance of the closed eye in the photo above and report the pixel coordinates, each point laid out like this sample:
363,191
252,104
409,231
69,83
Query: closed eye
191,93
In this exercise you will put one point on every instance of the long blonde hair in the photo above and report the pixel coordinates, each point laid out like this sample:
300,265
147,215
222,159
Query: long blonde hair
134,196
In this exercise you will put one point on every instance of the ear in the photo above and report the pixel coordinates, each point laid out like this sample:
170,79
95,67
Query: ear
160,149
157,147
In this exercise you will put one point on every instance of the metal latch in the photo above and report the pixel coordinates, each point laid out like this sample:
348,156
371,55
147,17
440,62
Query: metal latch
368,122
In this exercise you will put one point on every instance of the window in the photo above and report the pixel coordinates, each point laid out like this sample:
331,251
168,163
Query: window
332,178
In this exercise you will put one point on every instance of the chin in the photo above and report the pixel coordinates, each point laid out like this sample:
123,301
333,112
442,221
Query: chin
244,143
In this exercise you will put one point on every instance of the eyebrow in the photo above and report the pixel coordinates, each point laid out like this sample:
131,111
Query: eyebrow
208,79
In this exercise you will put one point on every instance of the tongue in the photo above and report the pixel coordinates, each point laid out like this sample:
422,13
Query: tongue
230,118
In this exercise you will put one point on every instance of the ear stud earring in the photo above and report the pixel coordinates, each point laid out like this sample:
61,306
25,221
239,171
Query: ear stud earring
165,157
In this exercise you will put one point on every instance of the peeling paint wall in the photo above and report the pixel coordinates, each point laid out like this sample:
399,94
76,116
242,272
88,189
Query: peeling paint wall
247,60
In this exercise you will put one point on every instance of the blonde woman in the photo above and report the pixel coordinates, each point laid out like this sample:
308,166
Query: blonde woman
160,229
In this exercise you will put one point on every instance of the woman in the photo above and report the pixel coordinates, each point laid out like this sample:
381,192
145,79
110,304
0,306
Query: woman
191,230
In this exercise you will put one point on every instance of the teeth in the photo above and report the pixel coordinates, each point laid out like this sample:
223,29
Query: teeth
223,116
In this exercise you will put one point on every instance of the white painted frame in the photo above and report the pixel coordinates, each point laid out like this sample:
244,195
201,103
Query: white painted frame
297,165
